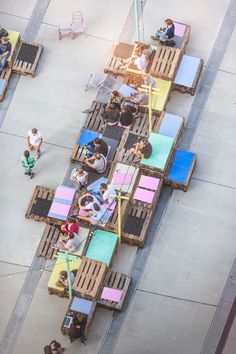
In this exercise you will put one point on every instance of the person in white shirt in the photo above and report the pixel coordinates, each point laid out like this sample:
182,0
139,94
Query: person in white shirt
69,243
100,215
79,177
86,202
107,192
34,141
96,163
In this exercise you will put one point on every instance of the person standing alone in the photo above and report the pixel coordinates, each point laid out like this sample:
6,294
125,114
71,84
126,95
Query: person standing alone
34,141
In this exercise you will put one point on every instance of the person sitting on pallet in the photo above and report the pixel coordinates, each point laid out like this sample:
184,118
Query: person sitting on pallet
5,52
110,114
148,80
96,163
96,145
63,278
77,328
142,149
79,177
87,201
69,243
116,98
71,225
3,32
99,215
127,115
107,193
165,33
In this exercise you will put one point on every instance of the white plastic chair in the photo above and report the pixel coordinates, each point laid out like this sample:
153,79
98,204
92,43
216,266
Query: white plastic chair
72,28
101,83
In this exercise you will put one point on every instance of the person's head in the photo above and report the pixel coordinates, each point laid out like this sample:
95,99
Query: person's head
103,186
34,131
168,22
71,235
145,142
115,93
89,198
79,169
97,141
5,40
98,156
112,106
63,275
71,220
26,153
126,118
96,207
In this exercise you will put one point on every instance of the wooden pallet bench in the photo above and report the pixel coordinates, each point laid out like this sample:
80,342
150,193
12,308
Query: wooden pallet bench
112,225
82,306
4,81
116,288
165,62
123,177
181,169
182,34
188,75
147,189
135,225
27,58
89,278
40,204
171,126
118,60
94,119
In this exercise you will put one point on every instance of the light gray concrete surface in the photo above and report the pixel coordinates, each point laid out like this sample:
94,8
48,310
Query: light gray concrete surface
231,341
17,9
163,325
11,281
228,63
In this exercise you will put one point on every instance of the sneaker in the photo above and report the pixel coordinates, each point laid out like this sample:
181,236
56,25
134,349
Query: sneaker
137,160
55,245
32,175
155,38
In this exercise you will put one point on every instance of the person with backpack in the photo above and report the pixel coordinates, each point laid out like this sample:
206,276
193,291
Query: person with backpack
53,348
28,163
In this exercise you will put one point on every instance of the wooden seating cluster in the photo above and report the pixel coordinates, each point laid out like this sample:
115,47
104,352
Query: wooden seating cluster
23,60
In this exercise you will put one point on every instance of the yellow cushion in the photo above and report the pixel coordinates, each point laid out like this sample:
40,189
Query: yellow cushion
13,38
59,266
159,101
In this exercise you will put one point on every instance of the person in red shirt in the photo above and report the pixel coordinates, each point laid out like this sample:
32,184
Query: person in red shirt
71,225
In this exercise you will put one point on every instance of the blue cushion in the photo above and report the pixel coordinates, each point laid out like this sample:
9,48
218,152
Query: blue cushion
181,166
86,136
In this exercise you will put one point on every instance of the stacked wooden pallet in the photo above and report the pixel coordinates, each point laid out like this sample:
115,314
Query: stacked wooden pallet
165,62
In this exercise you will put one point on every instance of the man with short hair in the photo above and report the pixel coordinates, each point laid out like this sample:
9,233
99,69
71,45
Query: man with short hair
97,145
5,52
34,141
96,163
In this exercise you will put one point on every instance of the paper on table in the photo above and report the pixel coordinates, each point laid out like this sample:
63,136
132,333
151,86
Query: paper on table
144,195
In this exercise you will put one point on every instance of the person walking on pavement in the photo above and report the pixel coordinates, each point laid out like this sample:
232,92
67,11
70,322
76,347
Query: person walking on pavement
28,163
34,141
54,348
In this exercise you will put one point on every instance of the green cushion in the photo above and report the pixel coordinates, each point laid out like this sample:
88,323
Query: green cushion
161,148
102,246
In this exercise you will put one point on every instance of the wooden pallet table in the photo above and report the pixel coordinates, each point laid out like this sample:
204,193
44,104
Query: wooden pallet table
51,236
135,225
40,204
94,119
181,169
118,60
89,278
188,75
165,62
84,307
114,290
27,58
15,40
60,265
147,189
4,81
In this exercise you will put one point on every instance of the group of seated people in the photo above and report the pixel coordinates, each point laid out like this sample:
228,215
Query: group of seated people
5,48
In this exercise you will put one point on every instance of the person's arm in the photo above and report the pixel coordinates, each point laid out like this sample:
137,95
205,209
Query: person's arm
40,142
28,141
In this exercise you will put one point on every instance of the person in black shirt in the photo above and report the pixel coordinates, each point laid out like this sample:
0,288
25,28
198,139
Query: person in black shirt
142,149
77,328
96,146
111,114
126,116
3,32
166,33
5,51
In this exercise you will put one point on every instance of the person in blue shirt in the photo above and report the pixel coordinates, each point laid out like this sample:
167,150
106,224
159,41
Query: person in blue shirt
165,33
5,51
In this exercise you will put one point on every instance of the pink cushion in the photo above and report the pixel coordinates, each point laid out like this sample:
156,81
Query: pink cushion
60,209
66,193
179,29
144,195
121,178
111,294
149,182
82,212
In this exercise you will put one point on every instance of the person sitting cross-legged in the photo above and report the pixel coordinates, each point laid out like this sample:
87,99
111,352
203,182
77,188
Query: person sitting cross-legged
96,145
142,149
96,163
63,278
79,177
100,215
71,225
5,52
69,243
165,33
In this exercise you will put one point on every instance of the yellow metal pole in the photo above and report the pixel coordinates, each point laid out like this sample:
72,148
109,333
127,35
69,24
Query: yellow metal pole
150,108
119,216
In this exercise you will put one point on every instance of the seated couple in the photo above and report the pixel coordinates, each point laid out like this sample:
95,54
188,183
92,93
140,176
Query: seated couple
113,115
141,149
92,208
